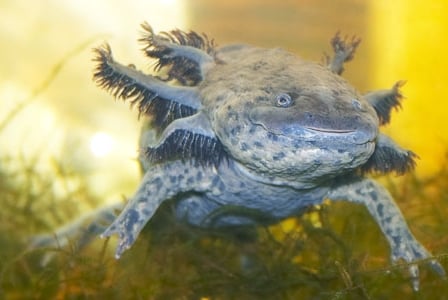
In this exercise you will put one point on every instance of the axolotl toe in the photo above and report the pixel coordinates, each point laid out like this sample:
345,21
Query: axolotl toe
258,129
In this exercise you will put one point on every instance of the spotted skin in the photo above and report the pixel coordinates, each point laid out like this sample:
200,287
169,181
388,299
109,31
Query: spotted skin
390,220
163,182
255,136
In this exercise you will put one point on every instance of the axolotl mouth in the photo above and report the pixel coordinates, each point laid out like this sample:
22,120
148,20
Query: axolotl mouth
336,131
330,131
358,137
326,126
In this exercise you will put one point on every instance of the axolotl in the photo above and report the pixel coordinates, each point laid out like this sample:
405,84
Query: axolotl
238,129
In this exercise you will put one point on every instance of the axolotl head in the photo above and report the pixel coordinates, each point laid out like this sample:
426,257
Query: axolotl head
283,116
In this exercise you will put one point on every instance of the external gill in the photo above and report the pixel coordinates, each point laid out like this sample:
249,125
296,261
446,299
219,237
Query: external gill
384,100
344,50
186,55
152,96
188,138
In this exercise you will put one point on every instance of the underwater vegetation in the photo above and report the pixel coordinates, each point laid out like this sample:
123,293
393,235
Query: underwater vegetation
334,251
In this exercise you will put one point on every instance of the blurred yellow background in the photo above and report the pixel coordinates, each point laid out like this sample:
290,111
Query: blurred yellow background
73,119
409,41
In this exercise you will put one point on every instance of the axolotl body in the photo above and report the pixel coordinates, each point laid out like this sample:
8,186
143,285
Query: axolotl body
244,129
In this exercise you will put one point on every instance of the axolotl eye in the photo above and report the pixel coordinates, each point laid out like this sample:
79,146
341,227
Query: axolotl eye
283,100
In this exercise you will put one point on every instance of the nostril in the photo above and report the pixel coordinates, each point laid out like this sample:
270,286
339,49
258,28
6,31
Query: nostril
356,104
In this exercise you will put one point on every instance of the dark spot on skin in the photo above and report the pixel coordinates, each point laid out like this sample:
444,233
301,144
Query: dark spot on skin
272,137
190,180
267,89
157,181
229,107
199,176
258,145
298,145
180,177
259,99
244,147
255,157
380,209
235,130
278,156
232,115
131,218
387,220
335,93
252,129
220,98
397,240
142,199
247,106
258,65
373,196
242,184
173,179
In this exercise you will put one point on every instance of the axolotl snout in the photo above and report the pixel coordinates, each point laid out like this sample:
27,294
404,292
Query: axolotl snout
239,128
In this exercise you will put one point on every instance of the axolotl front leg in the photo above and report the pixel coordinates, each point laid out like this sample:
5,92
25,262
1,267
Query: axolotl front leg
159,184
392,223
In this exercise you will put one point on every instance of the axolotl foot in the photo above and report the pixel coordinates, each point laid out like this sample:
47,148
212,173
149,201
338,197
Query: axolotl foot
404,246
125,238
411,251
